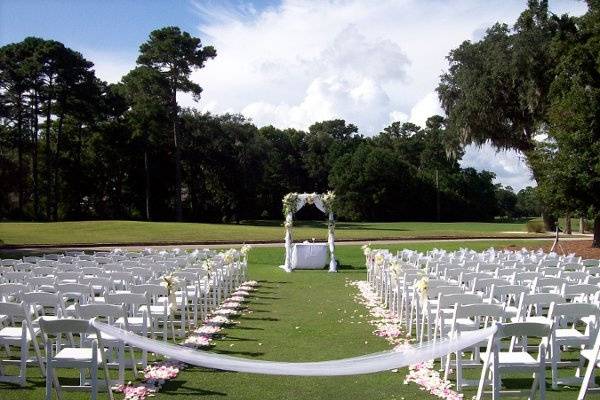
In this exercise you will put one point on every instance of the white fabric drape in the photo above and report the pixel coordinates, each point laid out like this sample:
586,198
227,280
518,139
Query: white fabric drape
367,364
331,243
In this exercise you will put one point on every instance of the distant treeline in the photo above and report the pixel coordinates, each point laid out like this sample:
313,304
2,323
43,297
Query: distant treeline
75,147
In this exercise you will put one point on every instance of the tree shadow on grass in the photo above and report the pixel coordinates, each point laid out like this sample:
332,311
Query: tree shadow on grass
241,353
236,339
249,328
179,387
259,319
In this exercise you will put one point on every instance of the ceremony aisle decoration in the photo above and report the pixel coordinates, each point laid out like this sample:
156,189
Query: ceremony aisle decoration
388,327
160,372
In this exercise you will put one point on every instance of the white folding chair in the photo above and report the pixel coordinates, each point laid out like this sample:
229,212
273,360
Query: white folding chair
114,347
476,316
82,358
565,334
22,334
495,361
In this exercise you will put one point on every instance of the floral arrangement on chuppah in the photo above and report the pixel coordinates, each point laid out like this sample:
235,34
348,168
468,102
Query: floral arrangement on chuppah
325,202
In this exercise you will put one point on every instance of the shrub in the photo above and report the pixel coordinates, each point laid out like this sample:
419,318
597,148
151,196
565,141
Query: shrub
535,226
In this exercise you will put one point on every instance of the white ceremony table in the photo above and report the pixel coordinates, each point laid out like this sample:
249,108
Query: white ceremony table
309,255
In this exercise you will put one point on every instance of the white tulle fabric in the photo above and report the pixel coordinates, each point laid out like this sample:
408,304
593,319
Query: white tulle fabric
367,364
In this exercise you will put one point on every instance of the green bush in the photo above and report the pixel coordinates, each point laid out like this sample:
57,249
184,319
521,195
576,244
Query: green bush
535,226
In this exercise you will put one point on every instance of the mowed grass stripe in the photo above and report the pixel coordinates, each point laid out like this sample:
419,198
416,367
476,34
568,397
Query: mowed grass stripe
123,232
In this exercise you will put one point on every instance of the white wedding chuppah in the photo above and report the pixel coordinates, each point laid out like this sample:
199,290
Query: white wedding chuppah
292,202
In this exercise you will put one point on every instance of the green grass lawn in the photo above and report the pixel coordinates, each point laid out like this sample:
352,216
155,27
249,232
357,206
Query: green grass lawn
301,316
123,232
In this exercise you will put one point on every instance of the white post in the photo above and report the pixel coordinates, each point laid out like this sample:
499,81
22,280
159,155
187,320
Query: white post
331,242
287,266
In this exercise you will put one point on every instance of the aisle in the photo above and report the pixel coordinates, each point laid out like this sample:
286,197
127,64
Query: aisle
302,316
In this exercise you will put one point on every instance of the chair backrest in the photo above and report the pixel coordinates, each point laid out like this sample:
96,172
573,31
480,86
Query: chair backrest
574,276
43,271
447,300
52,300
548,284
485,285
16,276
483,267
108,312
571,266
591,263
508,293
538,300
434,293
583,291
522,329
13,310
12,290
131,301
573,312
66,325
494,311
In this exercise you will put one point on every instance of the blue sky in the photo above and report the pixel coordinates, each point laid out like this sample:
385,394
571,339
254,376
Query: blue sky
291,63
110,25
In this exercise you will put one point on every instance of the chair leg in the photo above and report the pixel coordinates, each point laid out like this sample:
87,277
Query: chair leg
23,364
587,378
122,363
482,379
94,381
555,358
49,378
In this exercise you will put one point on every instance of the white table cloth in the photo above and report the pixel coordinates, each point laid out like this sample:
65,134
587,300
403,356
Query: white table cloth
309,255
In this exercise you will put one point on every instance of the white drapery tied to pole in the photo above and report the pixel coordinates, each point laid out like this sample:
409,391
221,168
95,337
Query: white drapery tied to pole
371,363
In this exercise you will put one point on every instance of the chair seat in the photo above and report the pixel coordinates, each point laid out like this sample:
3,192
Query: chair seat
514,359
463,323
133,322
105,337
75,355
13,333
539,319
156,311
570,333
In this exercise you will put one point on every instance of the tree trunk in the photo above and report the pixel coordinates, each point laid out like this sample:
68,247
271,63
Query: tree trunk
34,159
48,153
596,242
55,167
568,227
147,179
549,222
78,209
178,207
20,155
581,225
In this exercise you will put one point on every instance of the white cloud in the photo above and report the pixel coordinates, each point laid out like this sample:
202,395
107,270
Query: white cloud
425,108
109,66
509,166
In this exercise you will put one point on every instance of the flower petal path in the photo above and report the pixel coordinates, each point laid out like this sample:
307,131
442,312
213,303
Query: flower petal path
160,372
388,326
